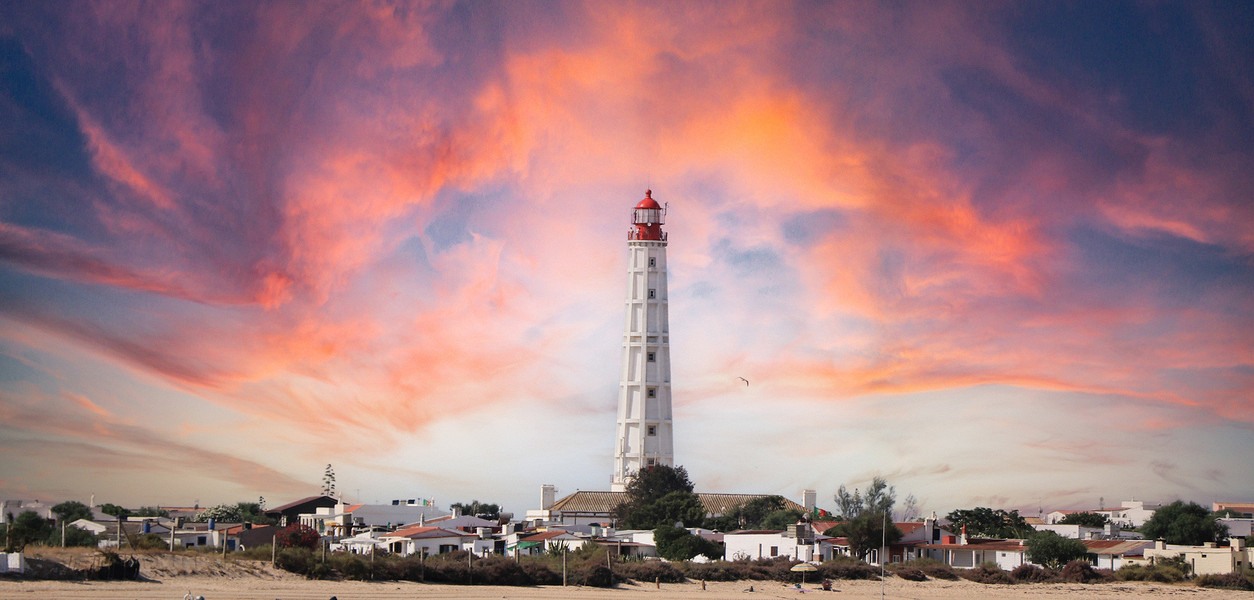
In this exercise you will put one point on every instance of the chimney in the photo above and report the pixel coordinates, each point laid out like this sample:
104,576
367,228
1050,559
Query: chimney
808,498
1237,543
548,495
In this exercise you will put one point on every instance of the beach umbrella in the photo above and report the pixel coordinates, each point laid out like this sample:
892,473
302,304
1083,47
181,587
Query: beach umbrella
804,568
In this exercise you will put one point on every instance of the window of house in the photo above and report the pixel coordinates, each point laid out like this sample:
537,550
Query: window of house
774,550
652,393
652,261
652,293
652,356
651,462
653,430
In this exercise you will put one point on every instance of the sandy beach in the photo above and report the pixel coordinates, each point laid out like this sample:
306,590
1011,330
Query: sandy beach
172,576
219,588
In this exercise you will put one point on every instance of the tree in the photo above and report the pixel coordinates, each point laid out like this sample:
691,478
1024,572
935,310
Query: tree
1087,519
678,507
650,486
764,512
27,528
989,523
677,543
868,516
74,536
297,535
780,519
866,532
70,511
114,510
483,510
879,497
222,513
909,509
252,512
328,481
1188,524
1052,550
152,511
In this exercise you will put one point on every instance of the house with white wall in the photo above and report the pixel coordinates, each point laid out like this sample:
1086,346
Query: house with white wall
1075,532
797,542
1207,559
1132,513
1114,554
962,553
421,539
534,544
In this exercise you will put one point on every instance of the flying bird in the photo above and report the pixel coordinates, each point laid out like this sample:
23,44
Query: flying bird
744,380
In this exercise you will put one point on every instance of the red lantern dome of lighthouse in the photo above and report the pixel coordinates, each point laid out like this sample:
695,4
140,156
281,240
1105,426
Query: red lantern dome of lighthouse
646,220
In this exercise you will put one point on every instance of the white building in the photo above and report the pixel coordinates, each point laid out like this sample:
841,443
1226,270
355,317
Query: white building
426,540
1132,513
1075,532
1243,527
17,507
644,431
1207,559
798,542
346,519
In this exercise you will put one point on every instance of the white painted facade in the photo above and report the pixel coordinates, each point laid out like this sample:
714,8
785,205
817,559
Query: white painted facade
644,425
1132,513
1075,532
1238,527
1209,559
12,562
768,544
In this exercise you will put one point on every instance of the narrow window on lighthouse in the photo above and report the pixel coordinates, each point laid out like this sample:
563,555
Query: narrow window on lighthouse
652,392
652,356
653,430
652,293
652,261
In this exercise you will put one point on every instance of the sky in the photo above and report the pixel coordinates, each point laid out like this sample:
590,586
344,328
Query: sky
1001,254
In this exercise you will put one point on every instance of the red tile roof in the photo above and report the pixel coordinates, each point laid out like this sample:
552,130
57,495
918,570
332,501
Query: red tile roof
421,531
1117,547
1003,545
542,536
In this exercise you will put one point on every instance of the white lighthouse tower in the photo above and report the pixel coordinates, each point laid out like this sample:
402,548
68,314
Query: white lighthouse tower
644,390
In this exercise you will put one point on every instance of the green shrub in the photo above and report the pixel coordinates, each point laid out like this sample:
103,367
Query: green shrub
1228,581
498,570
1028,573
933,568
540,574
350,566
151,541
257,553
986,573
1081,571
295,560
910,573
1160,573
595,576
650,571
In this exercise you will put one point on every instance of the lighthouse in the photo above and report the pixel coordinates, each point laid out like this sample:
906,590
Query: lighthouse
644,432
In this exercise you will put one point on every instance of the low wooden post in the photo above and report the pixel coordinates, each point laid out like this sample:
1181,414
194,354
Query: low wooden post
274,550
